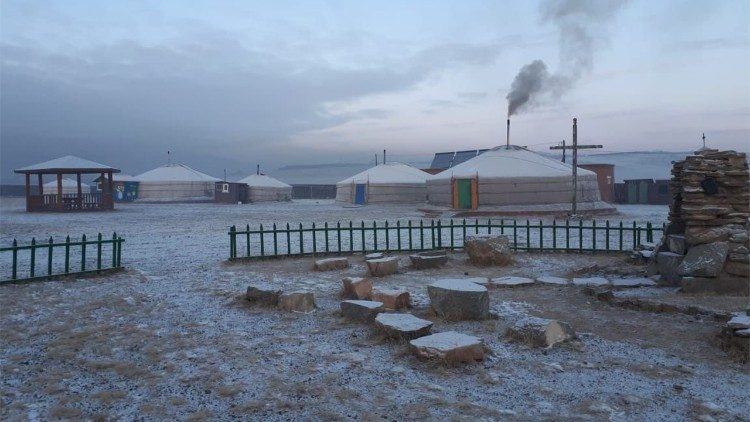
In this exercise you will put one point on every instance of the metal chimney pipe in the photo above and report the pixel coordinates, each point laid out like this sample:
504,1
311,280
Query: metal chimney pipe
507,135
383,156
257,169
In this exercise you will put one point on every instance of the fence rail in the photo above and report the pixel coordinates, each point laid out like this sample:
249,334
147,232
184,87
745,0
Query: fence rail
72,258
409,236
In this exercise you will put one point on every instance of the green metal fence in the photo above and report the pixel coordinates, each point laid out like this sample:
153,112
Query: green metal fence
403,236
51,259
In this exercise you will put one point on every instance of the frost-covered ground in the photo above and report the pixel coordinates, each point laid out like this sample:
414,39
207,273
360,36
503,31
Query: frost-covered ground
172,337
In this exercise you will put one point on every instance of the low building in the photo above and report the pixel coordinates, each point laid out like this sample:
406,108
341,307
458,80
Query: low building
605,177
125,187
643,191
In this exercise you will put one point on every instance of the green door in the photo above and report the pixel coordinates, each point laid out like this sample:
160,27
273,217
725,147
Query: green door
643,193
464,193
632,193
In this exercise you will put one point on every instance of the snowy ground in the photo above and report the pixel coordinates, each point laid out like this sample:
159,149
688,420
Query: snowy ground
172,337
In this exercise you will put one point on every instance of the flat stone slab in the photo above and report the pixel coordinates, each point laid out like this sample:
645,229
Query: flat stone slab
402,326
297,302
361,310
548,279
330,264
356,288
392,298
739,322
482,281
511,281
382,267
488,249
458,299
374,255
450,346
540,332
263,294
428,259
590,281
633,282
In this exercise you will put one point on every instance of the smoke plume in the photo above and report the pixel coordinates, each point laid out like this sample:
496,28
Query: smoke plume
580,25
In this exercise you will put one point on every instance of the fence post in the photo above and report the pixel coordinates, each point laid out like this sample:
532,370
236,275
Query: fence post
606,237
275,241
463,227
50,252
338,235
440,234
410,236
541,236
502,226
315,240
421,235
554,235
489,226
67,254
301,240
620,230
635,236
649,232
83,253
567,235
262,242
325,232
363,236
232,230
387,237
593,234
14,270
398,235
528,235
288,240
119,252
99,251
580,235
432,233
33,257
375,236
452,247
351,236
114,249
476,226
515,235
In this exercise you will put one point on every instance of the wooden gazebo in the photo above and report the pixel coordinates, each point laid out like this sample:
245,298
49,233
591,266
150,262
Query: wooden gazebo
38,200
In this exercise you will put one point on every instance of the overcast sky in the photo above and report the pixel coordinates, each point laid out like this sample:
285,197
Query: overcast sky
228,84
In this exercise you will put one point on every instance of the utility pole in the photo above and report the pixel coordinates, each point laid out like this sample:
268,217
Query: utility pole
575,147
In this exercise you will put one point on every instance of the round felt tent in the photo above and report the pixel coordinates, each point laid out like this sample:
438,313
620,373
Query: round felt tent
510,176
384,183
262,188
175,183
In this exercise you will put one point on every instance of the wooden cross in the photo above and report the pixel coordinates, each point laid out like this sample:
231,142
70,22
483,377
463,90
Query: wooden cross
575,147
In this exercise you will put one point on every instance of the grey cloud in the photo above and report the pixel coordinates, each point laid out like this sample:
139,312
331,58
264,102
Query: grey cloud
204,96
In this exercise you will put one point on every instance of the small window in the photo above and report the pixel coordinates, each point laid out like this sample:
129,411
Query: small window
225,188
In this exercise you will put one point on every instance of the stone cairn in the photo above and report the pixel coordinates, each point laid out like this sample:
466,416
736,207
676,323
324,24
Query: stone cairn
705,248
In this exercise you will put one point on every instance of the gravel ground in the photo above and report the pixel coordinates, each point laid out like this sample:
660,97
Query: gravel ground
172,338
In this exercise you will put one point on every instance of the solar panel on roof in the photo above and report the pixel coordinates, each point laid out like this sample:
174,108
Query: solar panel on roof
442,160
462,156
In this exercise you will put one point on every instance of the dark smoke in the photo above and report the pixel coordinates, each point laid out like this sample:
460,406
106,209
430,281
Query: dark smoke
580,23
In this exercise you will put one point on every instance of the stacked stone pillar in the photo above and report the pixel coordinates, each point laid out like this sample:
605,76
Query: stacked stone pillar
706,246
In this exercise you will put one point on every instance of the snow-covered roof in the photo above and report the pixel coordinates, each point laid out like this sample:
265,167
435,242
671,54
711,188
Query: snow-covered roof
66,183
174,173
389,173
69,162
510,162
263,181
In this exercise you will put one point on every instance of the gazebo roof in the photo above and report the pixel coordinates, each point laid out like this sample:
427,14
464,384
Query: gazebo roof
67,164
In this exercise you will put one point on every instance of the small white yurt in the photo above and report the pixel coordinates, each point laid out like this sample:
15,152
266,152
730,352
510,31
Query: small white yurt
69,186
510,175
384,183
263,188
175,183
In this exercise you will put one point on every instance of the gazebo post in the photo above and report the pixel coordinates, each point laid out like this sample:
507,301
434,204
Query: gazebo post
28,192
59,191
80,193
110,204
